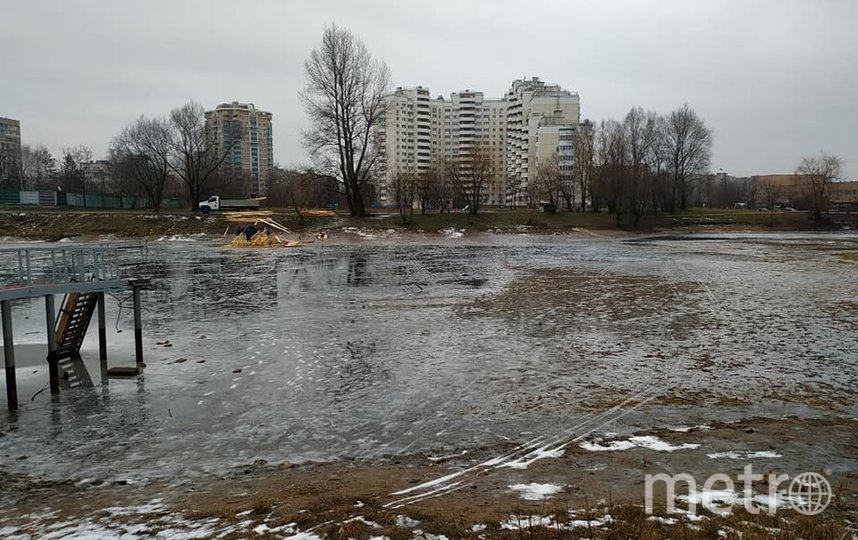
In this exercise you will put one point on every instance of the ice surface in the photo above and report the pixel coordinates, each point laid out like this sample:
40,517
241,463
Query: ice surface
371,349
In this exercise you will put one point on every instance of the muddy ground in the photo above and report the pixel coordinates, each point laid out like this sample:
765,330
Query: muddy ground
359,499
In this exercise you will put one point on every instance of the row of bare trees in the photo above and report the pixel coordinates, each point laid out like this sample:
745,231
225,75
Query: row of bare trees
36,168
148,152
465,180
645,163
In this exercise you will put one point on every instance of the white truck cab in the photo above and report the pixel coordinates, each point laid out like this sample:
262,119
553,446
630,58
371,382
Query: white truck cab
216,203
212,203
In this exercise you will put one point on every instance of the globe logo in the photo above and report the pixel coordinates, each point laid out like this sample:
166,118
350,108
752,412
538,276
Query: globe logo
809,493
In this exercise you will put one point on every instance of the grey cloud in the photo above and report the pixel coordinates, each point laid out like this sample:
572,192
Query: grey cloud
774,79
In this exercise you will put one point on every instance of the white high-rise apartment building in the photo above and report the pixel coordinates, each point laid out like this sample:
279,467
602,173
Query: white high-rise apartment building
539,118
408,129
533,121
479,125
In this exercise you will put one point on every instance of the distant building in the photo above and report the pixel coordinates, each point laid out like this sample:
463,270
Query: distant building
789,190
98,176
244,133
11,166
533,122
779,189
845,194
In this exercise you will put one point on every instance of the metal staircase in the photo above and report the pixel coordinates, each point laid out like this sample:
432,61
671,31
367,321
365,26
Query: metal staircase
84,274
75,316
74,372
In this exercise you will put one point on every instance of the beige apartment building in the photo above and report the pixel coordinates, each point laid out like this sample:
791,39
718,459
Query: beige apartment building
244,133
790,190
845,193
533,121
539,116
10,151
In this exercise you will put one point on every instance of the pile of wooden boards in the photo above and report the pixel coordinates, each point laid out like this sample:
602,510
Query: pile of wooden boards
265,235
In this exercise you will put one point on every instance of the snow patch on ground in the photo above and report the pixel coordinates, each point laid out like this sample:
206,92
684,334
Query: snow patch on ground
531,457
405,521
648,441
420,535
534,491
516,522
137,522
722,501
361,519
452,233
181,238
744,454
686,429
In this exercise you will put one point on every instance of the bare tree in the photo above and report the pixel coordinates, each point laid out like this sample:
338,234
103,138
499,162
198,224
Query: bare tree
192,158
72,176
641,133
425,186
472,173
547,186
817,175
441,189
38,165
294,187
771,192
141,154
582,143
689,144
344,99
404,187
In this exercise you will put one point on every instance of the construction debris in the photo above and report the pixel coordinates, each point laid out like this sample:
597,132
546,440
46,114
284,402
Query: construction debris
254,236
260,239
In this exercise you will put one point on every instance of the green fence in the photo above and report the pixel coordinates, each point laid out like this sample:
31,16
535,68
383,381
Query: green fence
78,200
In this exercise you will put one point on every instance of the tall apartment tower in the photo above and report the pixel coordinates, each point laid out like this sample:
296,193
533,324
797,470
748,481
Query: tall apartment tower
539,117
10,150
418,133
406,135
244,133
478,125
533,122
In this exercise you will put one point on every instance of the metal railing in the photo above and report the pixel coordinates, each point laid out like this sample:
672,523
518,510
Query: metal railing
29,266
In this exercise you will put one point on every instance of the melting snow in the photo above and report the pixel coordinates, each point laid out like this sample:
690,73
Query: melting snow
743,454
650,442
405,521
526,522
540,453
686,429
534,491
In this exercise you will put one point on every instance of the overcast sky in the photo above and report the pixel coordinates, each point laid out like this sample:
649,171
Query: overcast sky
775,80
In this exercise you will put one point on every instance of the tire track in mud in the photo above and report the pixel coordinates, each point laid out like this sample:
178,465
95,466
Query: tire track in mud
541,447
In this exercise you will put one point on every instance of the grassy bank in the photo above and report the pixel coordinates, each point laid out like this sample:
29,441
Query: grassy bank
506,220
53,224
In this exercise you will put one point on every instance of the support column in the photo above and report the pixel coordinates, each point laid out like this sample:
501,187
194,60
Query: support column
53,362
9,354
102,329
138,328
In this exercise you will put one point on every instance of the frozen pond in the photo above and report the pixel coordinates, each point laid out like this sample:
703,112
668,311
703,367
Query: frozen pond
415,344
